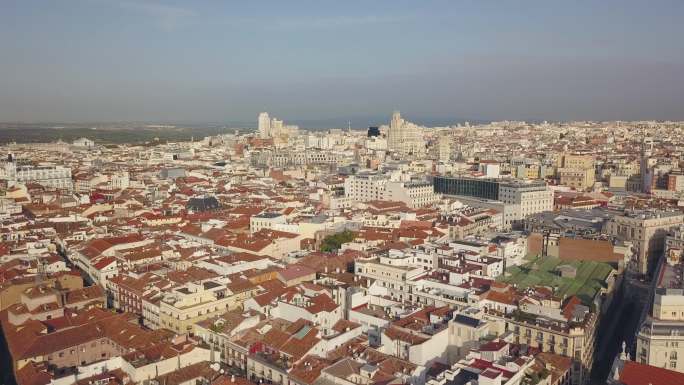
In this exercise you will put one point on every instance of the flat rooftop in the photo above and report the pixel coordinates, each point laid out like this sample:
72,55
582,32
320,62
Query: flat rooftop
671,277
268,215
541,271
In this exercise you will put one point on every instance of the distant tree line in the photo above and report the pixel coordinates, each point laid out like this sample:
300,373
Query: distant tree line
135,135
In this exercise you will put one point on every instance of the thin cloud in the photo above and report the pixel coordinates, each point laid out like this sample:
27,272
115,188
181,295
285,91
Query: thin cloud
166,17
336,22
320,22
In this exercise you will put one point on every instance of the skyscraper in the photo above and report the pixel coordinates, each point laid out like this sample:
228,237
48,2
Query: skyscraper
404,138
264,123
645,171
444,147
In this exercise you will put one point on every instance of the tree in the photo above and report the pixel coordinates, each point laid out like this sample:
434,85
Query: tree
335,241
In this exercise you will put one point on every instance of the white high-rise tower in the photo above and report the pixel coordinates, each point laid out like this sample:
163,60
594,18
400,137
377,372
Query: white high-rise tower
264,123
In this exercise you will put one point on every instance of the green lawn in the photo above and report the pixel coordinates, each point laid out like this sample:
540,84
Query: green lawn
540,271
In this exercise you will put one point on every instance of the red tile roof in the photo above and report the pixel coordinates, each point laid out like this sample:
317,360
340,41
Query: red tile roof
634,373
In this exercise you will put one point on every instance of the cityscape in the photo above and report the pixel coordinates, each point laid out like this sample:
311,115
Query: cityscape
155,233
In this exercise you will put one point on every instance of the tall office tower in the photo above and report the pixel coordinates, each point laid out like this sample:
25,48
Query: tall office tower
404,137
645,171
264,122
444,147
394,134
276,127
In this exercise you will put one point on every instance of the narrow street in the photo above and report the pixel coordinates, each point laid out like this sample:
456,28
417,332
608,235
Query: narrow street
620,324
6,375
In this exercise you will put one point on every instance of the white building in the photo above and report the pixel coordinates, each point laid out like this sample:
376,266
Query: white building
264,125
369,187
84,143
120,180
414,194
444,147
274,128
490,169
660,340
319,309
265,221
524,199
48,176
404,138
365,187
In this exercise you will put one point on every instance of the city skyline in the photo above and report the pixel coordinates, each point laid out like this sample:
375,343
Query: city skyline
309,192
207,61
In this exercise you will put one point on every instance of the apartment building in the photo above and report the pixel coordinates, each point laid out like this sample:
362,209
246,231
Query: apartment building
578,179
415,193
525,199
568,329
647,231
46,175
365,187
265,221
660,339
185,306
576,171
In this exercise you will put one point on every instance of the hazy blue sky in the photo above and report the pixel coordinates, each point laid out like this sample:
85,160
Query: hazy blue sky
222,61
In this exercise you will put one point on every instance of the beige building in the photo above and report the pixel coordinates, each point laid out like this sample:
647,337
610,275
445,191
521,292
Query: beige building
647,231
527,171
576,161
575,340
576,171
579,179
660,340
10,291
415,193
403,137
617,181
184,306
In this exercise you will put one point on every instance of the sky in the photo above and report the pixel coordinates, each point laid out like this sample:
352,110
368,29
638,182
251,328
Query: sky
225,61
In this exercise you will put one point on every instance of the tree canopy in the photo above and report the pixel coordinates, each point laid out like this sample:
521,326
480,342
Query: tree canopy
335,241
